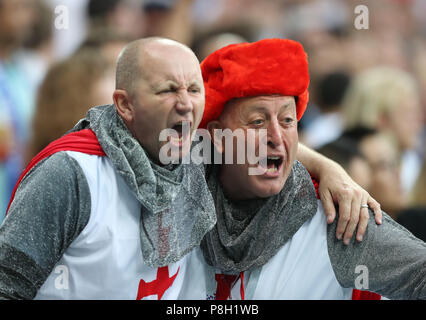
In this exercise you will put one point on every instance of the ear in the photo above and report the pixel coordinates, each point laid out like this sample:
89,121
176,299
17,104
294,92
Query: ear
123,104
217,136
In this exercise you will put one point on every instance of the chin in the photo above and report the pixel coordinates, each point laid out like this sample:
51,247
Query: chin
268,189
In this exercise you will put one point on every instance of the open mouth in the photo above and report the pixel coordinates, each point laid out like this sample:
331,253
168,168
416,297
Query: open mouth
271,165
183,129
274,163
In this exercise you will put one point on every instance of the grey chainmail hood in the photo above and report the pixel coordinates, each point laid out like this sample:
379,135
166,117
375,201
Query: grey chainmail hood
249,233
177,207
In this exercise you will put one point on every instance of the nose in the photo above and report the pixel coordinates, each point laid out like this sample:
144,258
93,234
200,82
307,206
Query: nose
274,134
184,103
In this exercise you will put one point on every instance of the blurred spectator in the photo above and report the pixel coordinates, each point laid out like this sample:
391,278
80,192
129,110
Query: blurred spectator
16,96
70,88
125,16
37,53
346,153
214,43
307,17
265,16
216,38
382,157
388,99
109,42
70,26
170,19
328,94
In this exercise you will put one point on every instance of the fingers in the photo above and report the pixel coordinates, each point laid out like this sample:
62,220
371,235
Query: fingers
349,197
329,207
375,206
364,216
359,216
345,204
354,217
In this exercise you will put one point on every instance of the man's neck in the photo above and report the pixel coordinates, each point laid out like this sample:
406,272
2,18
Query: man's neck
227,184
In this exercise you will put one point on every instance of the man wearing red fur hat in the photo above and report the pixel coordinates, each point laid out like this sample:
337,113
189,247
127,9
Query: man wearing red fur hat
271,239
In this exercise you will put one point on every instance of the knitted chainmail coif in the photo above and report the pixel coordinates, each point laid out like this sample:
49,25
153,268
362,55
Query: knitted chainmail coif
248,233
177,207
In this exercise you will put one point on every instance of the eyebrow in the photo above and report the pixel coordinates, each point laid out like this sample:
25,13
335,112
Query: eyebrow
263,108
173,83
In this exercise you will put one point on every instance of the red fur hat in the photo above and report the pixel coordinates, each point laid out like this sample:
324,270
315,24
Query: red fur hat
270,66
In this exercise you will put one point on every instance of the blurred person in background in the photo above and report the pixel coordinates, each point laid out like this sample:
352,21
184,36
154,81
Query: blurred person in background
215,42
388,99
383,159
107,41
16,96
60,103
170,19
346,153
211,39
125,16
328,94
37,53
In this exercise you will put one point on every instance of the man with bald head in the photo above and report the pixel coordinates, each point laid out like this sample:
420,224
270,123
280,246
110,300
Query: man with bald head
96,215
168,67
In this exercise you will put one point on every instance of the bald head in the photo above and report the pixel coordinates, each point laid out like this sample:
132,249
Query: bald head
130,63
159,85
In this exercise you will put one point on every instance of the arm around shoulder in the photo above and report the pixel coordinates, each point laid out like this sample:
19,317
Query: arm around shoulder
389,261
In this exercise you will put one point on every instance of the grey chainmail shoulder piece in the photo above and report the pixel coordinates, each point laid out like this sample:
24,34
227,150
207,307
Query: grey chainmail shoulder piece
177,207
249,233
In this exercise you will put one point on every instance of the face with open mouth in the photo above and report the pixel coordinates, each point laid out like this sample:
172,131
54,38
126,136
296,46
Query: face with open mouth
180,133
168,100
178,140
277,115
272,164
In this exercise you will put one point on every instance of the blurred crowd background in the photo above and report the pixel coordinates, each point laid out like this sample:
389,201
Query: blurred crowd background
367,90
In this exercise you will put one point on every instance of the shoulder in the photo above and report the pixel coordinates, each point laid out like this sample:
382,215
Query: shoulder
54,188
59,167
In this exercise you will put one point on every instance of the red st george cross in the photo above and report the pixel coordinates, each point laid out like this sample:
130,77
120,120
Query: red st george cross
163,282
157,286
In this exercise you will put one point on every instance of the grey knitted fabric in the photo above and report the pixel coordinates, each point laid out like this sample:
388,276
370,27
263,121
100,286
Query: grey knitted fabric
50,209
177,207
394,258
250,232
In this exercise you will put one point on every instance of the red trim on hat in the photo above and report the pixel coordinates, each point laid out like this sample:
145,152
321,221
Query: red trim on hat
84,141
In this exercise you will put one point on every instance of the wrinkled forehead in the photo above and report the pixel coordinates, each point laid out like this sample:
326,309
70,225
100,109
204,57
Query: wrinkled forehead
175,63
266,103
